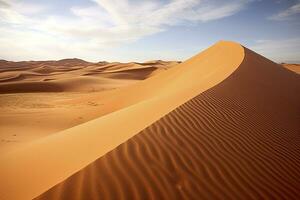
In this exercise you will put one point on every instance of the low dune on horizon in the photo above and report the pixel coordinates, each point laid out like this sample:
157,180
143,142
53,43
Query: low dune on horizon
74,75
224,124
293,67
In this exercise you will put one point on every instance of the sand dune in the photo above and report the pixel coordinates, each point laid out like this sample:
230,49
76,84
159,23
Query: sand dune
223,124
73,75
292,67
240,139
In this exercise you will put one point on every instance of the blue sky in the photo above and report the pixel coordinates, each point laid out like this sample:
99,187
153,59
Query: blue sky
140,30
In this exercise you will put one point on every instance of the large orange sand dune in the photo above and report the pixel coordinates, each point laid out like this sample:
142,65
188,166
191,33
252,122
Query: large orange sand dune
224,124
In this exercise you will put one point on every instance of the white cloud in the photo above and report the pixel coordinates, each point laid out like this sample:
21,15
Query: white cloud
288,13
287,50
88,31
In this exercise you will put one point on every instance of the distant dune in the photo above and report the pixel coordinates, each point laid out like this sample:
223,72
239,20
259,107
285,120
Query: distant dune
221,125
292,67
73,75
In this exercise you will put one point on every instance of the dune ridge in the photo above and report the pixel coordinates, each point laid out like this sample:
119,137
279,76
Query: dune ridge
237,140
66,152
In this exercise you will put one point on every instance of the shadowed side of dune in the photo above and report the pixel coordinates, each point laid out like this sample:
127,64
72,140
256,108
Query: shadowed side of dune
30,87
239,139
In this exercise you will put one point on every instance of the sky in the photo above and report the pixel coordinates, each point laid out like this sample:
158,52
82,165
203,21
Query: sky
141,30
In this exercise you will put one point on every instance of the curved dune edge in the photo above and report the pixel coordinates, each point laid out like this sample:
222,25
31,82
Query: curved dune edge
238,140
32,170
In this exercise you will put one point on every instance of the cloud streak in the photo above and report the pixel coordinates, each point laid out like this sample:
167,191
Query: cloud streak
88,31
288,13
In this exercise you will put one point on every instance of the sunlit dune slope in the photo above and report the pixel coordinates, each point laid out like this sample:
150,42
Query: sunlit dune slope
32,170
238,140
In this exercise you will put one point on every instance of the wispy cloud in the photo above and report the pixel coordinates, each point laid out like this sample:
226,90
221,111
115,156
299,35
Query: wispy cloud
88,31
286,50
288,13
